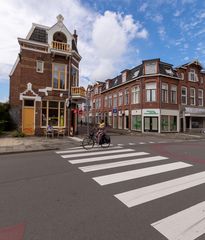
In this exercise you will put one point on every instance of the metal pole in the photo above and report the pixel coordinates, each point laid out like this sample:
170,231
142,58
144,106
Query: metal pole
87,114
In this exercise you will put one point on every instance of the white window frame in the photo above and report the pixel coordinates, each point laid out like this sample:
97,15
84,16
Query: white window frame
150,68
39,66
164,93
110,101
124,77
151,91
136,94
201,98
120,98
184,95
106,101
126,96
114,100
192,96
173,94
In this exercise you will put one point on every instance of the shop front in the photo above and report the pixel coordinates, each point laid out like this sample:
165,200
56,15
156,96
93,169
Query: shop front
150,119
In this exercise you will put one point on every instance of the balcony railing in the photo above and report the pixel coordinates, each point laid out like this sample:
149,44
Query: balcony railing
78,92
60,46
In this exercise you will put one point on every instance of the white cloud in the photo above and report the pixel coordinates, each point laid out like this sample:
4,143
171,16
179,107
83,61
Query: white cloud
143,7
162,32
103,38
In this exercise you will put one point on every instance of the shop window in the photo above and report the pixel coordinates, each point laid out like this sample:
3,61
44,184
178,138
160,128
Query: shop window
137,122
53,113
173,123
164,123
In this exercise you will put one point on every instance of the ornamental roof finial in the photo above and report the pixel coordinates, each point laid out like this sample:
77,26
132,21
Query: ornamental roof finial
60,18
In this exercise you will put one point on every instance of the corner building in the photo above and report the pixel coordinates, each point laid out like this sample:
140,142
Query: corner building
151,97
44,81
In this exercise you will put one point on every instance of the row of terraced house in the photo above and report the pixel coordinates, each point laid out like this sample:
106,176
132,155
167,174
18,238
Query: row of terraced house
45,89
151,97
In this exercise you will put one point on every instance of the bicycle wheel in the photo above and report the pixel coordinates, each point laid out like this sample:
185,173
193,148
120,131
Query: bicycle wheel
105,141
88,143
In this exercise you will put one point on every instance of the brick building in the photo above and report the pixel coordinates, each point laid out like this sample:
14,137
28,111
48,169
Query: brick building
44,81
151,97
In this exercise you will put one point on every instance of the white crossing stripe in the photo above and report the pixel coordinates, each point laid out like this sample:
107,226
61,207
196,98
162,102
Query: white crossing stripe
120,163
138,196
142,143
133,174
185,225
81,149
102,158
132,144
96,153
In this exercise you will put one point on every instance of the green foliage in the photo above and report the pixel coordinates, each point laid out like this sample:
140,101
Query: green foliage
18,134
6,123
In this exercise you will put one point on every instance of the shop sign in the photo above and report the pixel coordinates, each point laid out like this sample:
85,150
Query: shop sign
114,110
151,112
194,110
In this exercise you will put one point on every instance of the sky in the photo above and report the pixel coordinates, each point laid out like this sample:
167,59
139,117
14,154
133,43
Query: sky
113,35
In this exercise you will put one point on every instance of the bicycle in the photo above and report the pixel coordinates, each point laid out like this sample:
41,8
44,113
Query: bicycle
90,140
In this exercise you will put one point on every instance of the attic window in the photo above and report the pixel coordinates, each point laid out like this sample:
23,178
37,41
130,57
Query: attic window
115,82
39,66
150,68
136,73
169,71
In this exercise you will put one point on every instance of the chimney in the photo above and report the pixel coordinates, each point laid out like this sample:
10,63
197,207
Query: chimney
76,37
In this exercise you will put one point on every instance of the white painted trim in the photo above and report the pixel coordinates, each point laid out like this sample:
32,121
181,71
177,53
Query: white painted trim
34,50
29,88
14,66
33,42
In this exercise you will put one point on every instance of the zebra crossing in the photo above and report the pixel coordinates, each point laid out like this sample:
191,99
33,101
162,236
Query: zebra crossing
116,157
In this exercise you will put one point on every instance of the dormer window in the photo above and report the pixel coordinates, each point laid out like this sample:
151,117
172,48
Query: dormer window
169,71
136,73
150,68
192,76
107,85
124,76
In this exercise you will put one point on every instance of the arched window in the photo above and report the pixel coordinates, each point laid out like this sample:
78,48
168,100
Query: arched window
60,37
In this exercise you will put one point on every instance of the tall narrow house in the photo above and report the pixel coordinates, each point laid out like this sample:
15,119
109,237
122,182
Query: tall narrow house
44,81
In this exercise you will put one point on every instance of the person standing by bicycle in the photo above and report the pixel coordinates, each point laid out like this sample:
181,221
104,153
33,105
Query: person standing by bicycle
101,131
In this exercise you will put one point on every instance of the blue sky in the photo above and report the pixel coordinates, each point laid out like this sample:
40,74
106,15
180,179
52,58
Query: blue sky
113,34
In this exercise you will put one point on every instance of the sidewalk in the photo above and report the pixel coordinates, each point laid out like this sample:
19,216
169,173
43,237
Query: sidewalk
32,144
10,144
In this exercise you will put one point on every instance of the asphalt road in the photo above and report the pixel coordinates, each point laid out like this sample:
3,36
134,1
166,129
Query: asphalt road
45,196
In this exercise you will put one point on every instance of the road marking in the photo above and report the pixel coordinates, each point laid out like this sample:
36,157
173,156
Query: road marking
120,144
142,143
185,225
151,142
76,139
102,158
84,150
132,144
138,196
120,163
96,153
133,174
